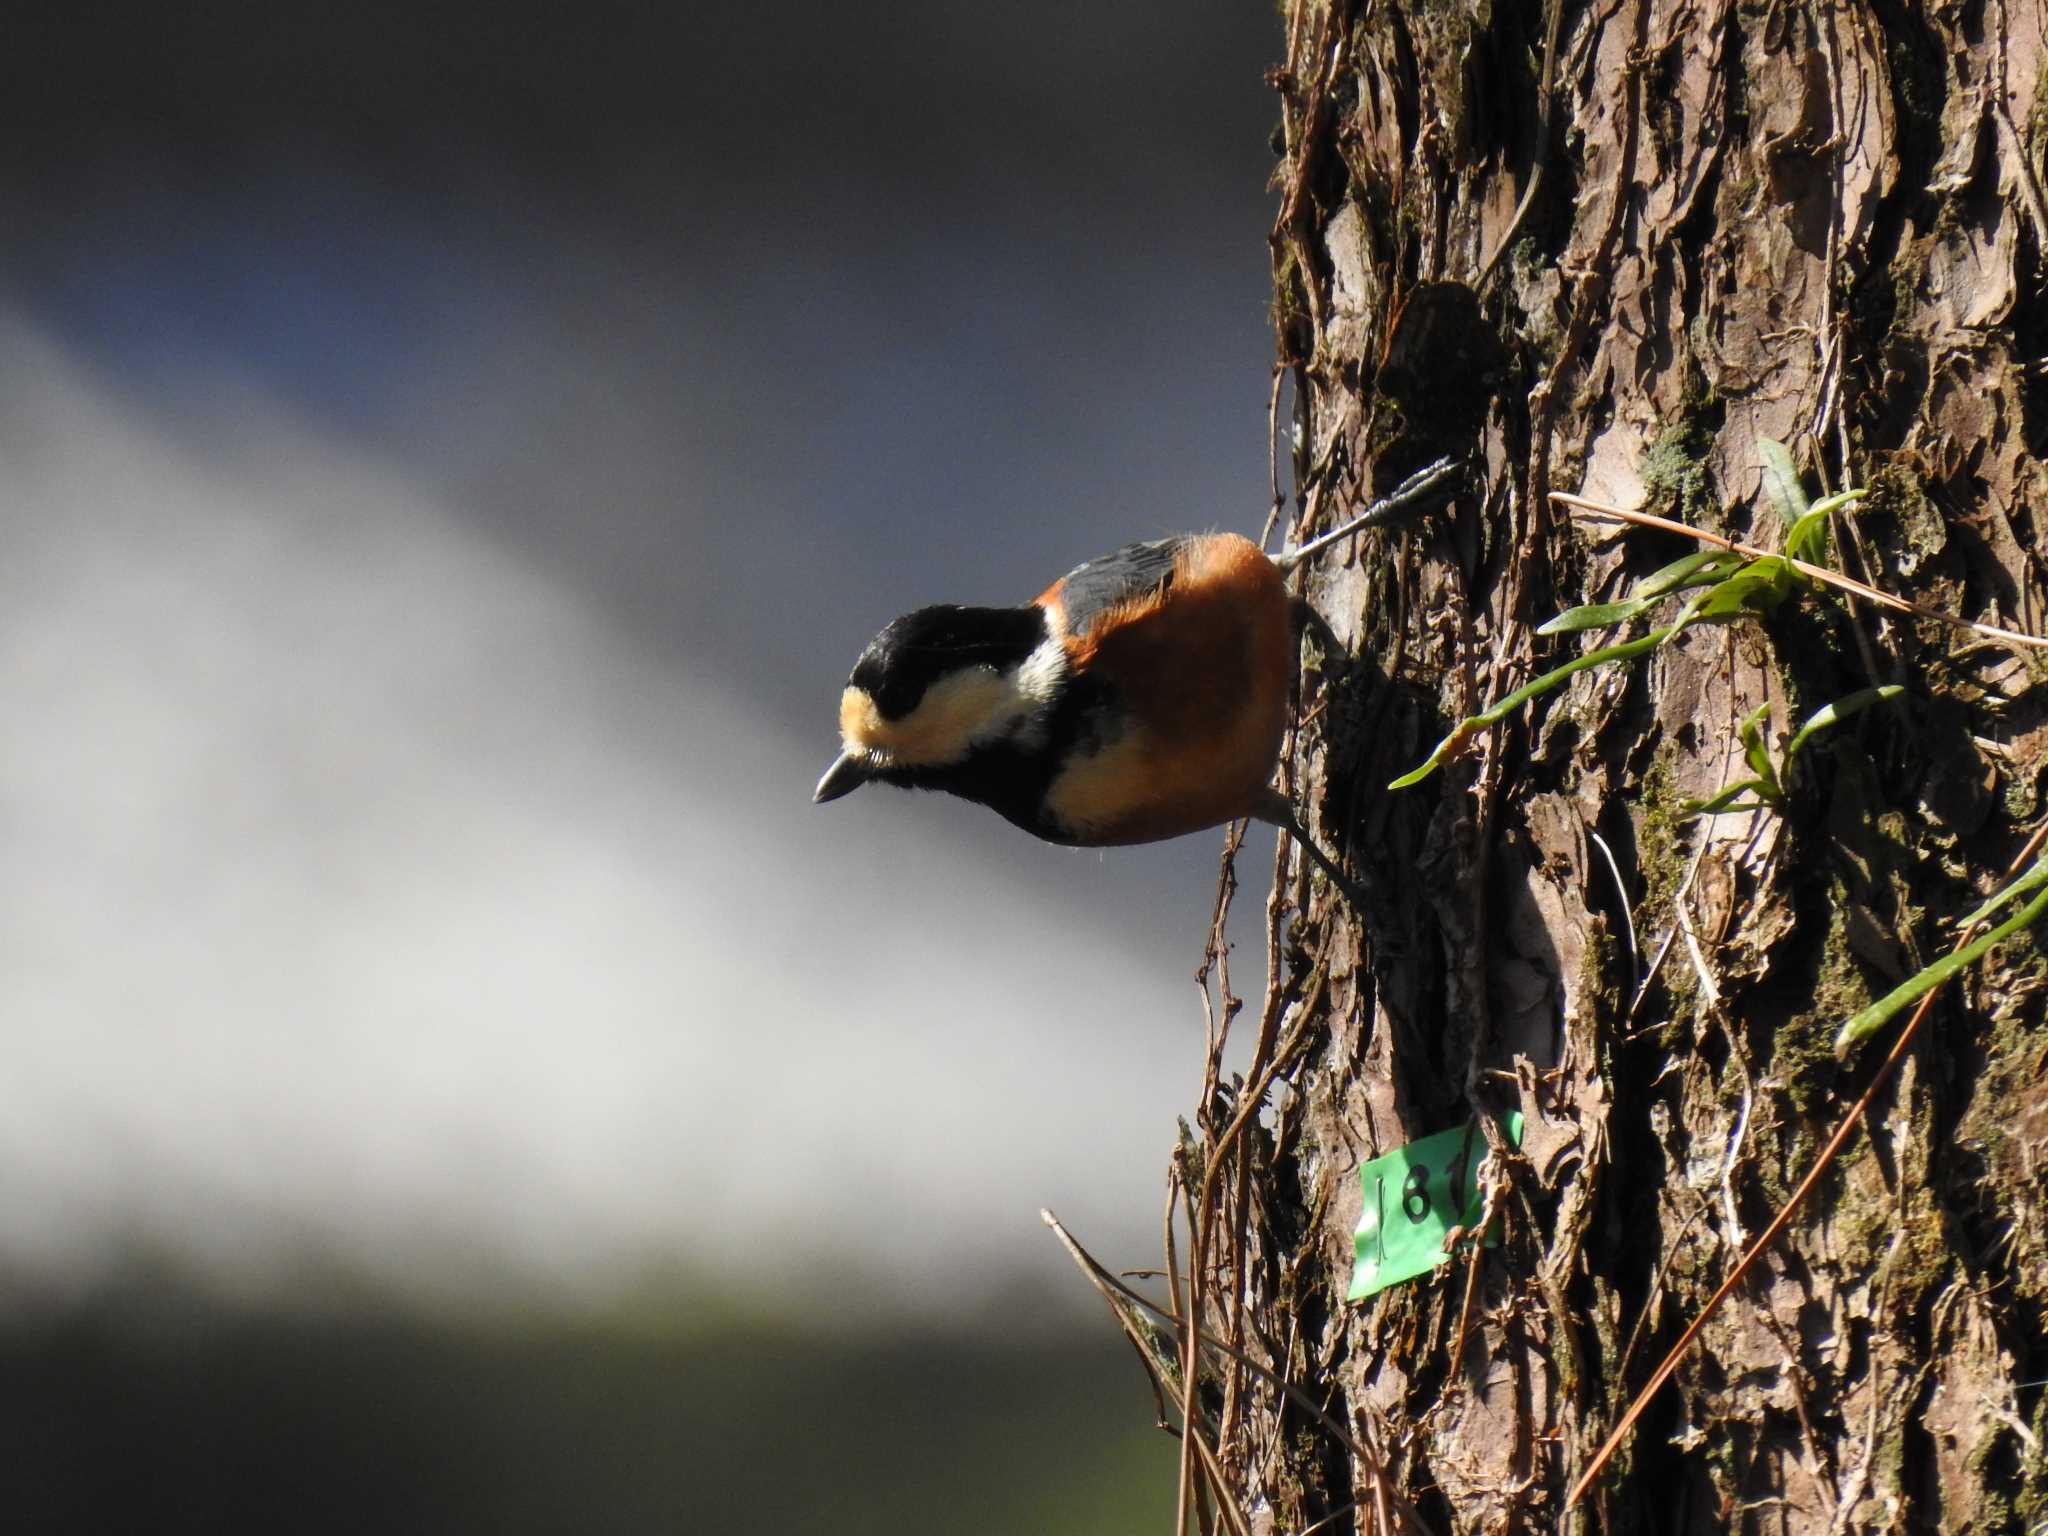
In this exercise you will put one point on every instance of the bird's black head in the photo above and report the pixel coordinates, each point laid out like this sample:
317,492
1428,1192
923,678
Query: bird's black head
935,684
902,663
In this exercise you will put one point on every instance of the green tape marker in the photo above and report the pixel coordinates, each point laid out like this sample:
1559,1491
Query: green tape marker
1413,1197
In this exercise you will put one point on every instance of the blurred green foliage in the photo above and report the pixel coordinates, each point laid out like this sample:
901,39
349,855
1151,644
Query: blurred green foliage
185,1414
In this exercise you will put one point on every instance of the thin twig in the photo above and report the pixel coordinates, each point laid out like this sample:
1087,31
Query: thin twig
1670,935
1779,1222
1273,456
1264,1066
1769,1235
1656,1286
1820,573
1232,1515
1593,272
1621,889
1328,1520
1710,989
1189,1303
1491,1177
1735,1140
1107,1283
1546,94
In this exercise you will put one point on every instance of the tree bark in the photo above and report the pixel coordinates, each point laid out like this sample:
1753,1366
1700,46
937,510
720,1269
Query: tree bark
1724,220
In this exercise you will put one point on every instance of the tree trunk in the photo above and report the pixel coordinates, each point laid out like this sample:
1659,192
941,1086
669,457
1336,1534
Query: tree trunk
1813,222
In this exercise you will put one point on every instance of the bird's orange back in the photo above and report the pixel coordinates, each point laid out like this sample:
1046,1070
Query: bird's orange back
1194,638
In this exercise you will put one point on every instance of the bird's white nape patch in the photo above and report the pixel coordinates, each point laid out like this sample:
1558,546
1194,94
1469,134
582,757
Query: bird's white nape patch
1043,673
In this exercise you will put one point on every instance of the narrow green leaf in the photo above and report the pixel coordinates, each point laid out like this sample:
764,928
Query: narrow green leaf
1417,775
1594,616
1737,597
1751,731
1727,799
1867,1023
1754,749
2033,877
1701,568
1808,539
1834,714
1466,728
1757,588
1781,480
1701,565
1553,679
1685,617
1471,725
1839,500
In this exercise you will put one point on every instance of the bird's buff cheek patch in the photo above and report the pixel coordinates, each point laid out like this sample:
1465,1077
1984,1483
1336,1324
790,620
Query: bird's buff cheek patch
939,731
860,723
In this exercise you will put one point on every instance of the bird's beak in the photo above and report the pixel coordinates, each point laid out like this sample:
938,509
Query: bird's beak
846,774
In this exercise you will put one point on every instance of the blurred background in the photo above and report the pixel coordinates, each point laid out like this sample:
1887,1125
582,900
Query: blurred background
450,1075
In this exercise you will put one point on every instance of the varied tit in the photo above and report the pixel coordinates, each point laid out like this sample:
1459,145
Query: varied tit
1141,696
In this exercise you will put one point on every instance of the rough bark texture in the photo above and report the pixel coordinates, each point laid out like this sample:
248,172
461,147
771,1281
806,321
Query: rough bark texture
1814,222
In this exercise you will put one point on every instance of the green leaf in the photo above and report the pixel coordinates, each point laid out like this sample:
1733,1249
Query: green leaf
1754,750
1909,992
1727,799
1472,725
1467,728
1781,480
1626,650
1840,499
1701,568
1594,616
1704,565
1737,597
1686,615
1417,775
1757,588
1752,728
1555,678
2033,877
1834,714
1808,539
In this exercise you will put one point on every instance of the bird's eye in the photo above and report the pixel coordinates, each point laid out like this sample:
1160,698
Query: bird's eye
898,697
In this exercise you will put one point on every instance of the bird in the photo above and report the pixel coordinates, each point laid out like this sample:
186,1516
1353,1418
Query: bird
1142,696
